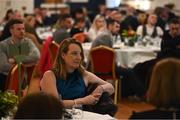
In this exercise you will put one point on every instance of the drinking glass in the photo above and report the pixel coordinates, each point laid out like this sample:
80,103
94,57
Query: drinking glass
77,112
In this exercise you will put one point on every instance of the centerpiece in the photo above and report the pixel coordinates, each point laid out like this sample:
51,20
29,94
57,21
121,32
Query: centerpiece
8,103
130,37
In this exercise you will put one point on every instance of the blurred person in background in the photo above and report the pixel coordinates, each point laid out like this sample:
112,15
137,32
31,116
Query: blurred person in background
98,27
150,28
142,17
39,106
8,16
130,22
163,92
112,30
13,46
42,17
30,24
63,28
130,83
78,27
6,33
3,22
170,45
163,16
82,13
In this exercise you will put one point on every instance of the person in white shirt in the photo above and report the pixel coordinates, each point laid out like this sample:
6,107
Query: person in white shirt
150,29
98,27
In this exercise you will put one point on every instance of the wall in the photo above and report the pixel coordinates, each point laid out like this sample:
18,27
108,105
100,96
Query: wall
15,4
163,2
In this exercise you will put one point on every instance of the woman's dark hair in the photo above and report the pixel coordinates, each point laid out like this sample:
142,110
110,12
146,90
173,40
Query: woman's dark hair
39,106
164,90
7,13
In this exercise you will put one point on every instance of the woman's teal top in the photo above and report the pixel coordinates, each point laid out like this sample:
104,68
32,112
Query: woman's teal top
71,88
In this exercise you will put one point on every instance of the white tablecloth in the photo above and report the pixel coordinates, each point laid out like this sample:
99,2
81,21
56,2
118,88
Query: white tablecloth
85,115
129,56
44,32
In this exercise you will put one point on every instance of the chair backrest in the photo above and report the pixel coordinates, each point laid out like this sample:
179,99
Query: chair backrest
81,37
53,50
102,60
12,82
29,71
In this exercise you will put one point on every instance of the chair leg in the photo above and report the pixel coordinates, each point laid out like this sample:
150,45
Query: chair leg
119,87
116,92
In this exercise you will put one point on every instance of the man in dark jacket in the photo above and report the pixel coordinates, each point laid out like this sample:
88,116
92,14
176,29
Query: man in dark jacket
170,46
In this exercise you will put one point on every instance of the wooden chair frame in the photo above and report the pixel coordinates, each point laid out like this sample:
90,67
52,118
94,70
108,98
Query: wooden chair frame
53,50
113,76
12,82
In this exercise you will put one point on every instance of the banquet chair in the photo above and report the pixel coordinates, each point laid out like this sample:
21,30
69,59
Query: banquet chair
81,37
53,50
29,69
102,60
45,62
12,81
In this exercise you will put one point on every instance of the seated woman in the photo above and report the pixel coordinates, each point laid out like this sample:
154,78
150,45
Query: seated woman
97,28
69,80
163,92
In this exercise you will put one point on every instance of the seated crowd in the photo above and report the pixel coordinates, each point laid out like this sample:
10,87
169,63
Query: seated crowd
65,81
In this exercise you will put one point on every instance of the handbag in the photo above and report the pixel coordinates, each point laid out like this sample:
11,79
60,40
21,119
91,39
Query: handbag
105,105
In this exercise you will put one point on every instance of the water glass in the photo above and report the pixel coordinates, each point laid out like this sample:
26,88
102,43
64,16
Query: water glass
77,112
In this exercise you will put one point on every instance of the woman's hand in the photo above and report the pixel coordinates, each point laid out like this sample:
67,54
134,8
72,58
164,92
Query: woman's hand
90,100
98,91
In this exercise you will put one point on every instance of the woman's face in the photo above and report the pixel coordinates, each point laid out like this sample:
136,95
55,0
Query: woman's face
32,22
10,15
73,57
100,23
142,18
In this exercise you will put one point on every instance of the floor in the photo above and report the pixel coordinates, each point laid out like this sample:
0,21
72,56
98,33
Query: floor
126,107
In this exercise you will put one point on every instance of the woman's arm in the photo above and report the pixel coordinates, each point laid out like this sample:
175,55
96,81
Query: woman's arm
87,100
103,86
48,83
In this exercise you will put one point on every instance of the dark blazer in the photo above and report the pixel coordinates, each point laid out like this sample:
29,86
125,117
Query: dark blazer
169,46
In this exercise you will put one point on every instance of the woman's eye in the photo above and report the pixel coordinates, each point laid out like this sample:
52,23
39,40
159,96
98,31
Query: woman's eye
74,53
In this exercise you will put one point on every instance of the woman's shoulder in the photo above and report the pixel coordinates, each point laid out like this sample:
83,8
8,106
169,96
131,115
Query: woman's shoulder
87,73
89,76
48,73
48,78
